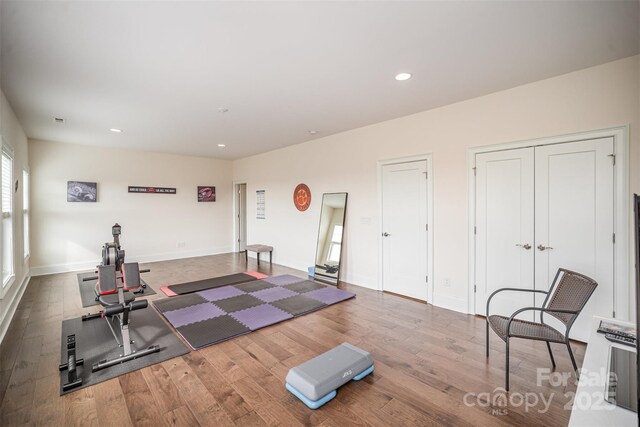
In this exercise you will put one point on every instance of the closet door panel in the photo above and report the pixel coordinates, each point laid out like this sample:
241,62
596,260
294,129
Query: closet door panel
574,220
504,229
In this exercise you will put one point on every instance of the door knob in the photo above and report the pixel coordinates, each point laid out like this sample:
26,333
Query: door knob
526,246
385,234
542,247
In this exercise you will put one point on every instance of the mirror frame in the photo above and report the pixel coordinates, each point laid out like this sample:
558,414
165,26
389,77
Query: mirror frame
319,276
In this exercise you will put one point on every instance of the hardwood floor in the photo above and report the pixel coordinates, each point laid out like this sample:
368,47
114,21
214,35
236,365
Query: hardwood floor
430,366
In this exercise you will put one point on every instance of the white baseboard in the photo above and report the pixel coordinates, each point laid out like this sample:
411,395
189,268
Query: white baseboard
362,281
63,268
88,265
8,316
168,256
450,303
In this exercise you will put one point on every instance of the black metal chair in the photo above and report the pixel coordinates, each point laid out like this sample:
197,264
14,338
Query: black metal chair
565,300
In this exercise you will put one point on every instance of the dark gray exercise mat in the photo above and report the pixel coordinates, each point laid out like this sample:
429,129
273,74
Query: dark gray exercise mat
88,289
298,305
169,304
241,302
95,342
304,286
218,329
215,282
254,286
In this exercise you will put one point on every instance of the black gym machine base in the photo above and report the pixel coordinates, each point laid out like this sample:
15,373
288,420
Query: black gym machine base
95,343
72,363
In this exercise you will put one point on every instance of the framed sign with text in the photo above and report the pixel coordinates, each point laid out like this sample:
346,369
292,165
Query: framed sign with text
152,190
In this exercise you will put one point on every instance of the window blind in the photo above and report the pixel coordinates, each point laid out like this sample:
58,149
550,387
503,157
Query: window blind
7,178
25,211
7,219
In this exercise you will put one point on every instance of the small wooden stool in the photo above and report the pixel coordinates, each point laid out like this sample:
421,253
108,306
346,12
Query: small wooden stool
257,249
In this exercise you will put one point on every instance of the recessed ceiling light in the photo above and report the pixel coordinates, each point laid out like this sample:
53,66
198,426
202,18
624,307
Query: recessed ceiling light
115,130
221,145
403,76
313,132
222,110
58,119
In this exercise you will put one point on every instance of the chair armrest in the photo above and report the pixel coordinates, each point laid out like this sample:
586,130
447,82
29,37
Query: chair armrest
512,289
544,310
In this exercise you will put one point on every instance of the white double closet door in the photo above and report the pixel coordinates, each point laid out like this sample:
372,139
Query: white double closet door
539,209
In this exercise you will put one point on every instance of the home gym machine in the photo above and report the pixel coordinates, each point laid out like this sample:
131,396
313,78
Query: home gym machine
113,254
117,283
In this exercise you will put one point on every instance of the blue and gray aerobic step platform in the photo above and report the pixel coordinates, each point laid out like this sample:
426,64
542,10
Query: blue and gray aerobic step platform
315,381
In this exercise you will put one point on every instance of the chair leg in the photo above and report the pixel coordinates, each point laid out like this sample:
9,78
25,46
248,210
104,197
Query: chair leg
573,360
506,371
553,362
487,339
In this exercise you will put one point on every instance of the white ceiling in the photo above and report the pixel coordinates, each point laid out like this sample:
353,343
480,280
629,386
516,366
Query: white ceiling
161,70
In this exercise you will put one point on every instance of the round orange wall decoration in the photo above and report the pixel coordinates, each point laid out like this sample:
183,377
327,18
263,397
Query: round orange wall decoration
302,197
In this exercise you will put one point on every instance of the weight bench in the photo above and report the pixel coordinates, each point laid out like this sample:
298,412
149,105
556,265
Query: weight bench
258,249
315,381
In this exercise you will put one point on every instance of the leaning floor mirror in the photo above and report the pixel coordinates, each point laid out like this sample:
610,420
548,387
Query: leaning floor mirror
330,233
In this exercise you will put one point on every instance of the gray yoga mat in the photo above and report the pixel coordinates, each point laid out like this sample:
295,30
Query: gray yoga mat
215,282
95,342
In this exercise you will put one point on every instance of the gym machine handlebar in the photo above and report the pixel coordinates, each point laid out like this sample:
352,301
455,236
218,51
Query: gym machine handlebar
88,279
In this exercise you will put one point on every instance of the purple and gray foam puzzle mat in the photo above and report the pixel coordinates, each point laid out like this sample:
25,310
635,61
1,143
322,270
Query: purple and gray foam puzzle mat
215,315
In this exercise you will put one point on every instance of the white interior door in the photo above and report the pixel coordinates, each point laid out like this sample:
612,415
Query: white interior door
575,220
504,229
404,226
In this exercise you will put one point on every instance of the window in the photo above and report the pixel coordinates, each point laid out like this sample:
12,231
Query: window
7,217
25,211
336,240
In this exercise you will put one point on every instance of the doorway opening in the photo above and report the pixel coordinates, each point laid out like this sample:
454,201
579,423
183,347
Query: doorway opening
240,217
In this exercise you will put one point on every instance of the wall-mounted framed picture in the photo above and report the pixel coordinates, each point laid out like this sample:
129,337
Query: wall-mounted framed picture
78,191
206,194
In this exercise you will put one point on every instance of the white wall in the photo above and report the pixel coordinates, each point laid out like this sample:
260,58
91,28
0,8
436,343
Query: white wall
594,98
13,135
68,236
